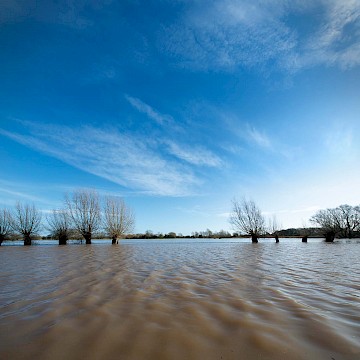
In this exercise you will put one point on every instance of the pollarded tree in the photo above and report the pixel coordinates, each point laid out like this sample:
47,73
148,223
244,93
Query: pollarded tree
246,217
5,224
26,220
349,219
329,220
84,211
273,227
342,221
119,218
58,223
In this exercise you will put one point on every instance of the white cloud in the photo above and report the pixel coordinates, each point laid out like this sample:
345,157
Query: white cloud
194,155
122,159
146,109
259,138
226,34
337,40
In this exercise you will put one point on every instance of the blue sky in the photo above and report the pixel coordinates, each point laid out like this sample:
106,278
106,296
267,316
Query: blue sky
179,106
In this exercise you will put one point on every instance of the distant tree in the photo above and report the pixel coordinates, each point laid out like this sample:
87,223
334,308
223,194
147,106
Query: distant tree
26,220
246,217
223,234
170,235
119,218
58,223
149,234
84,211
329,221
207,233
274,227
5,224
304,232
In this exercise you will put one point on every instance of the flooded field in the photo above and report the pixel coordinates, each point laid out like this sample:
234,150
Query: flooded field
181,299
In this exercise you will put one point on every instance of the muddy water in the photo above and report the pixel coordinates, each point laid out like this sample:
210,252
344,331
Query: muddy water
181,300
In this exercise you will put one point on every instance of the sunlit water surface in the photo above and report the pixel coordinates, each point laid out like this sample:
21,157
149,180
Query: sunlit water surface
181,299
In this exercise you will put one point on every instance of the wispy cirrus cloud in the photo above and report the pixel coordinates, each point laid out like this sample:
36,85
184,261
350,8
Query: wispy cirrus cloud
227,34
8,195
247,133
258,137
120,158
149,111
337,40
194,155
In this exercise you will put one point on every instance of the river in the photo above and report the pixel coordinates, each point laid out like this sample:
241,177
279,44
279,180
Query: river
181,299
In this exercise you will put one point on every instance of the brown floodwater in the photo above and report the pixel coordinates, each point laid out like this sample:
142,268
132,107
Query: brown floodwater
181,299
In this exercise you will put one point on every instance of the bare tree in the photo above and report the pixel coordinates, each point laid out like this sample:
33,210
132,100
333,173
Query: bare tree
59,225
119,218
26,220
304,231
84,210
330,222
349,219
341,221
5,224
246,217
273,227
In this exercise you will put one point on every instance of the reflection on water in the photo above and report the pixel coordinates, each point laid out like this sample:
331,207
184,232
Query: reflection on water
181,300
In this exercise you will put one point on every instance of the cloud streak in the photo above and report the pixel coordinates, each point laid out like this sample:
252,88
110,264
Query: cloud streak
259,138
122,159
146,109
128,160
194,155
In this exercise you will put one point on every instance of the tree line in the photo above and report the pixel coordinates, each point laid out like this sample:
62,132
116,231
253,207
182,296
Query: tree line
342,221
84,213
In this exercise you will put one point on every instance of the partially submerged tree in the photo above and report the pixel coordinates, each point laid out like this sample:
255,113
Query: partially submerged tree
26,220
5,224
349,219
84,210
58,223
304,232
329,221
246,217
274,227
119,218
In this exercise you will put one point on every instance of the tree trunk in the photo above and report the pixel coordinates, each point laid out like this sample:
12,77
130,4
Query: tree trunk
114,239
254,238
2,238
304,238
63,238
276,238
329,236
27,240
87,237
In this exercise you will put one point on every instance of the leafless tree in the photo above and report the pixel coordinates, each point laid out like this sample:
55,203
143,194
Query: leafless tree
84,211
119,218
246,217
349,219
26,220
5,224
58,222
341,221
304,231
273,227
330,222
